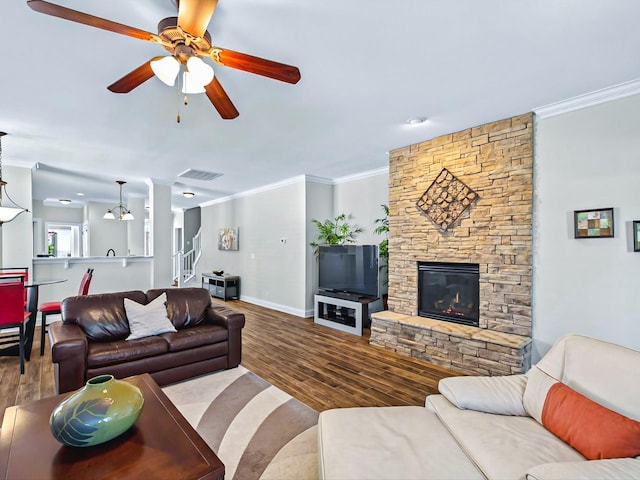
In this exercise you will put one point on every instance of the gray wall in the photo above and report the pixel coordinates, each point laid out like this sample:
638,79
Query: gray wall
589,158
271,271
192,221
105,234
283,274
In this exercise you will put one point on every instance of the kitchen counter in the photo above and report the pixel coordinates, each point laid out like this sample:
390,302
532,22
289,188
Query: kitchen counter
68,261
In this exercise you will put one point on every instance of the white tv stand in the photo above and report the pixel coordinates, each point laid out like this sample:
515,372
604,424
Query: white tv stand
342,313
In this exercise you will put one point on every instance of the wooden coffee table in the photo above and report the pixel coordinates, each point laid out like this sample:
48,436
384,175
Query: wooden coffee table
160,445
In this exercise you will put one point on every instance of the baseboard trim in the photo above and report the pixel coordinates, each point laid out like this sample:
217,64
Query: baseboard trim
276,306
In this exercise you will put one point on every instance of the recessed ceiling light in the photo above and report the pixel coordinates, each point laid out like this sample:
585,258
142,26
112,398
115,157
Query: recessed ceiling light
415,121
65,201
80,194
188,194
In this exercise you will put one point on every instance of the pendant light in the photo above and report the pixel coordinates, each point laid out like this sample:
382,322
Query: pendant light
121,212
9,209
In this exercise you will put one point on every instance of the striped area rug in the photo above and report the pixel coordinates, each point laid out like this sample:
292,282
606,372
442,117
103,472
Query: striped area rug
256,429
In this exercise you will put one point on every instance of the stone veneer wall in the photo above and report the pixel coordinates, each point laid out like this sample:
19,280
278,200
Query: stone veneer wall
496,161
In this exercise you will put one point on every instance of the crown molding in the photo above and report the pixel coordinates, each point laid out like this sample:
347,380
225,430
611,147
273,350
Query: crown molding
362,175
297,179
254,191
589,99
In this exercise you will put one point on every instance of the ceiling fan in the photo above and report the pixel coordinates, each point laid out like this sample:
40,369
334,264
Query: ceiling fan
186,38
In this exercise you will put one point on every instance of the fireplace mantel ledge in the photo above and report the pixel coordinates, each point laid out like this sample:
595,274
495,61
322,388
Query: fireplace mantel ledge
462,331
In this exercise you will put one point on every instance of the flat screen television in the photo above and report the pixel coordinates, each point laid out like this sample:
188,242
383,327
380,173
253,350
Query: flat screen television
349,269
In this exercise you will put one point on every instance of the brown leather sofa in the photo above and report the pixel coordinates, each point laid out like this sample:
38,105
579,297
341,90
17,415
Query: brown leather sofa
90,340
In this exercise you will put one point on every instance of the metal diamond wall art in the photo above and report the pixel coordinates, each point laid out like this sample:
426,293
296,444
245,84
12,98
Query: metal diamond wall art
445,199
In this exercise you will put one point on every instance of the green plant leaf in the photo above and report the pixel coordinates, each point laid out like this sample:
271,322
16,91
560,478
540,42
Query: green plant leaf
334,232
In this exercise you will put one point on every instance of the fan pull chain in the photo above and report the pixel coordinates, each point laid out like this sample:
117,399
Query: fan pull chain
178,100
184,87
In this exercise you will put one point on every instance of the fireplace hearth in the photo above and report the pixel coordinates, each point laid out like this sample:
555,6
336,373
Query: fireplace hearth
449,292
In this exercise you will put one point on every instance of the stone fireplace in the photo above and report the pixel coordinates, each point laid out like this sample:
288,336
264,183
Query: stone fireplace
449,292
493,233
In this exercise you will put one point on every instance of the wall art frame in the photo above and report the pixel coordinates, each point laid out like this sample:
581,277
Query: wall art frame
228,239
593,223
636,235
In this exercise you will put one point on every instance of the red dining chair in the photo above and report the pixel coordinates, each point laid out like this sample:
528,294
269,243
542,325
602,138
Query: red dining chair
54,308
10,273
12,312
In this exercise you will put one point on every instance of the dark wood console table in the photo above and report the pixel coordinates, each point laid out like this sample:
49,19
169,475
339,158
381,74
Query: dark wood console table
161,445
222,286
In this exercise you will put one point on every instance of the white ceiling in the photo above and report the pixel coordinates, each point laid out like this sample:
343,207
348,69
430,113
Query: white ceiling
367,66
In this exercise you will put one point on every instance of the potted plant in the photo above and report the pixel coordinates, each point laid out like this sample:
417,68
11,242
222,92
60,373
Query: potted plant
383,248
334,232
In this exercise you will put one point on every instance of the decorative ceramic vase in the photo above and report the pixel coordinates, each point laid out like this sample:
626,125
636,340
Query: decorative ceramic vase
103,409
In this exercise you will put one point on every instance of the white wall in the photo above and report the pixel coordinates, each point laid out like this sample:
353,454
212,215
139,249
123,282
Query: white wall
109,275
161,235
589,158
17,236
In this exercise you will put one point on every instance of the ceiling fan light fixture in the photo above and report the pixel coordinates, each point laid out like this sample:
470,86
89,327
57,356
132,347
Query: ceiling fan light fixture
196,76
166,69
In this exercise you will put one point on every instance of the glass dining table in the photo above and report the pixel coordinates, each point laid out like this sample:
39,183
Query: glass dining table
33,288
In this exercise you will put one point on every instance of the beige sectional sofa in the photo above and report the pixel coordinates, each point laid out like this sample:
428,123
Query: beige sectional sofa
584,391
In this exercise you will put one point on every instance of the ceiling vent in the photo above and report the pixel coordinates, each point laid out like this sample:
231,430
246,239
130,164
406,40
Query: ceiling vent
199,175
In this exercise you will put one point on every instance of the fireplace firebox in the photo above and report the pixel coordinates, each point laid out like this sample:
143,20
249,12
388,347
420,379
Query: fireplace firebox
449,291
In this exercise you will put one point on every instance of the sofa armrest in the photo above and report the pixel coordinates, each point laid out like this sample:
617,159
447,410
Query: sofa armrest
225,317
499,395
69,349
234,323
613,469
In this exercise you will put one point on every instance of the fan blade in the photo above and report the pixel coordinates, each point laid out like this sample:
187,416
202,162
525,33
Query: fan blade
86,19
194,15
220,99
134,78
259,66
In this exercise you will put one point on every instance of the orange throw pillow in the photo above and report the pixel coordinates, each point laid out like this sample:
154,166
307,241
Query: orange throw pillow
593,430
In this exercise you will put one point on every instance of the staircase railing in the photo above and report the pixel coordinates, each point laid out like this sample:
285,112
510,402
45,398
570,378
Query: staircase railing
184,263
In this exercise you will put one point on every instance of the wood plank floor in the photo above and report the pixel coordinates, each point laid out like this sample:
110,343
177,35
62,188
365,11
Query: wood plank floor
320,366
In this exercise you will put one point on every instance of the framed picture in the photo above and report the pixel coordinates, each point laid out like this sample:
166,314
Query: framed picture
636,235
596,223
228,238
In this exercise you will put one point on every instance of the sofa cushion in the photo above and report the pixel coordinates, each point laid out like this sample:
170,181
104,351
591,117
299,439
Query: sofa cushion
195,337
186,307
368,443
618,469
108,353
501,446
499,395
149,319
101,316
602,371
595,431
535,393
